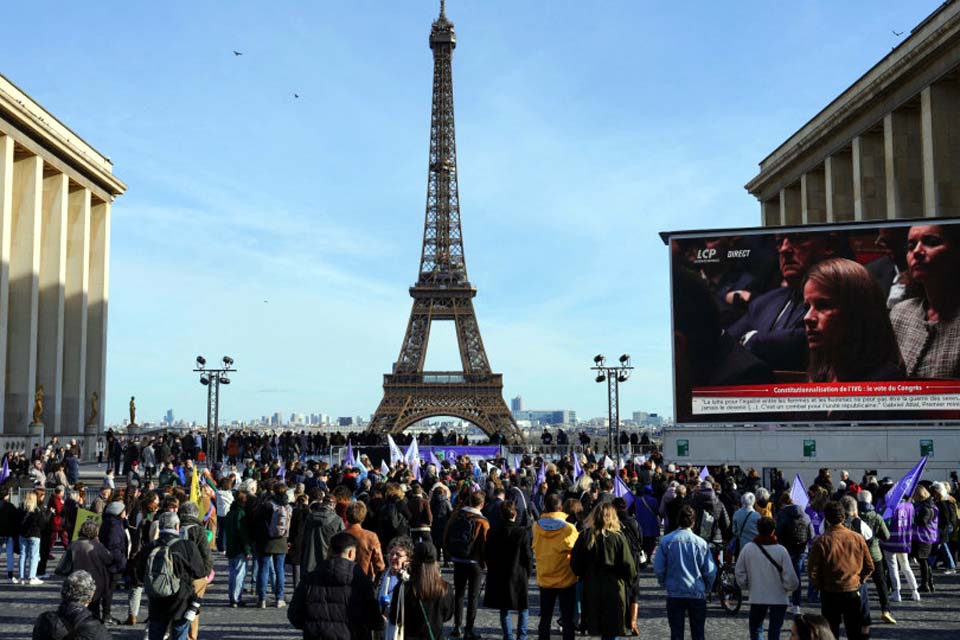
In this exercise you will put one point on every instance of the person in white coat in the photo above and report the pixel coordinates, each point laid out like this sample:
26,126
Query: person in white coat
765,569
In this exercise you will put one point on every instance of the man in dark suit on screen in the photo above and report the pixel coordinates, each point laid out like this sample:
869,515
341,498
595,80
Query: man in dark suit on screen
772,329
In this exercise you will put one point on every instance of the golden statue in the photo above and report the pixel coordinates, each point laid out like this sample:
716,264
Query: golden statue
38,405
94,408
133,411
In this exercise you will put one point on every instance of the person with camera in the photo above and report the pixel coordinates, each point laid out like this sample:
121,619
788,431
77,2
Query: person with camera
169,567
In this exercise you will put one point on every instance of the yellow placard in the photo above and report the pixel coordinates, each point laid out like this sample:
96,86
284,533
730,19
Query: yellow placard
82,516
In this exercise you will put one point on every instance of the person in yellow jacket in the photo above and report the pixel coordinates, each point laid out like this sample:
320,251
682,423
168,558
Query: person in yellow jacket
553,540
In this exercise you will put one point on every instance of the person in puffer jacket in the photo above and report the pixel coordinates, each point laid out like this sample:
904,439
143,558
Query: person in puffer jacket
553,541
336,601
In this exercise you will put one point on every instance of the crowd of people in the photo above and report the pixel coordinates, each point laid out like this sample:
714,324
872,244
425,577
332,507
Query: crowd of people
357,551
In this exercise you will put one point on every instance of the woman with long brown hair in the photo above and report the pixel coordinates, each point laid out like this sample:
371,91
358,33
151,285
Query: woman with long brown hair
603,560
427,600
849,335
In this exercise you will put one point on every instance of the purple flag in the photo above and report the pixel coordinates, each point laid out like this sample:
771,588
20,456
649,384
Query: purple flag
350,461
621,490
384,469
5,471
282,472
577,469
542,475
704,473
516,463
432,458
798,493
904,487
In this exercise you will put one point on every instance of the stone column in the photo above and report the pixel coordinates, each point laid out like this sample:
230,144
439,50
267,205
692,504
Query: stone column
97,298
838,174
53,267
24,293
940,131
813,196
75,400
869,177
770,212
791,211
6,216
903,163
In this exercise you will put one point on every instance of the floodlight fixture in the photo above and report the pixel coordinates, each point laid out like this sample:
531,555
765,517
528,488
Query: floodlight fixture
224,380
227,360
625,359
598,360
201,361
601,377
204,380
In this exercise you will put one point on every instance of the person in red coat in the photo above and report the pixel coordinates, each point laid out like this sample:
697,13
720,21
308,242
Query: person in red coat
56,521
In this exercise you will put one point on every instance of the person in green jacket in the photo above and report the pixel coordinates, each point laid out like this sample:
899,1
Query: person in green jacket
880,532
603,560
237,547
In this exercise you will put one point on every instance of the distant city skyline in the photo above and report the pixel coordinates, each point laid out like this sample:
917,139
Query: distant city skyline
285,231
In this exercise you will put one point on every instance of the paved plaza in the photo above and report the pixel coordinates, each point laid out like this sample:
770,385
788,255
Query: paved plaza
935,618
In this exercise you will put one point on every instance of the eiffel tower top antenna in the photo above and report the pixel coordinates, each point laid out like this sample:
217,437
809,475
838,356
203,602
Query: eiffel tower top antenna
442,262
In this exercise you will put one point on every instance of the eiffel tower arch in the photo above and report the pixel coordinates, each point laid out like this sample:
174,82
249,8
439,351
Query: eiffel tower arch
443,292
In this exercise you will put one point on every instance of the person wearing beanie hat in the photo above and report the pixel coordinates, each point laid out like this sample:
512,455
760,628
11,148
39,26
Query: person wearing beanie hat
114,538
188,566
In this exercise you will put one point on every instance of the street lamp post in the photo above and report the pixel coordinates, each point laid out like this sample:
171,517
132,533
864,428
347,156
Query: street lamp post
212,378
613,376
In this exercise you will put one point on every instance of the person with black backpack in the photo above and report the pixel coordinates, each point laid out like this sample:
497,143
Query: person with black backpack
72,619
275,516
169,566
794,531
465,540
713,521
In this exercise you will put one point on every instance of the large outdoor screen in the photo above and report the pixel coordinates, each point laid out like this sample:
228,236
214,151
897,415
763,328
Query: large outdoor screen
829,323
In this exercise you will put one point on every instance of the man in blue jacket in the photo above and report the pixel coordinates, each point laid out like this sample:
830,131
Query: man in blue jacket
685,566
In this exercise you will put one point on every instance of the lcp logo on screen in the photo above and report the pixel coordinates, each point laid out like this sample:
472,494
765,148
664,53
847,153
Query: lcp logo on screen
707,256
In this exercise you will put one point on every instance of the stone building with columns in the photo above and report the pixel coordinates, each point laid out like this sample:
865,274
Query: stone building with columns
886,148
56,193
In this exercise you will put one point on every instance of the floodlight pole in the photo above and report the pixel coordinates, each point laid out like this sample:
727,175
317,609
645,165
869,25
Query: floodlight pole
213,405
614,376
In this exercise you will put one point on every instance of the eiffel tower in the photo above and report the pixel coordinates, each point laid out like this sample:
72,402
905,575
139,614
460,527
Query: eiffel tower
443,292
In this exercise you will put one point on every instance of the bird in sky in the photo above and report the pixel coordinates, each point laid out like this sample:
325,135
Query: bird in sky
897,33
237,53
296,95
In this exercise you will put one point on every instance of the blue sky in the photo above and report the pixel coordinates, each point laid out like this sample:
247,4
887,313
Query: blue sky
285,232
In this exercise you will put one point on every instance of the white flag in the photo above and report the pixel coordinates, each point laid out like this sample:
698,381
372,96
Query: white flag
412,454
395,454
609,464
